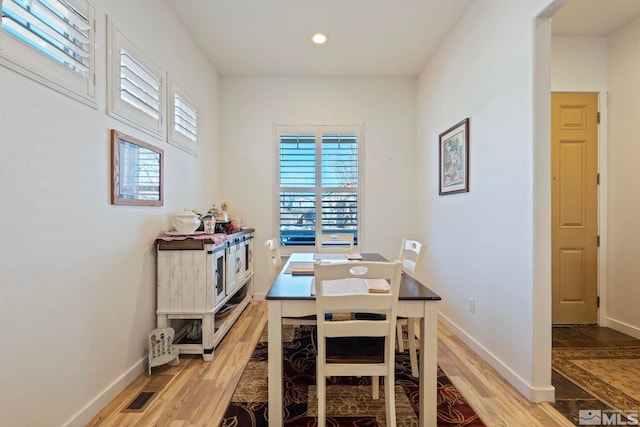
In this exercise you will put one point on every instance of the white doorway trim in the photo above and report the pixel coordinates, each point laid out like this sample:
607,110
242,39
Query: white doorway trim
602,207
541,224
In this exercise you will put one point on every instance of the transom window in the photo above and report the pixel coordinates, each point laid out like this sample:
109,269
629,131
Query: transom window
319,177
51,41
135,87
183,119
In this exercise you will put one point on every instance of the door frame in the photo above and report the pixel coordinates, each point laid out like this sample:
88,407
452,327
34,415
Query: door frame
602,206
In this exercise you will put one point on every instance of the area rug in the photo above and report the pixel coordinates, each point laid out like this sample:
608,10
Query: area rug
349,401
610,375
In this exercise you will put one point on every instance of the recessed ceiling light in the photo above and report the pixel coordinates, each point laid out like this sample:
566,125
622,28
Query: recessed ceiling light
319,38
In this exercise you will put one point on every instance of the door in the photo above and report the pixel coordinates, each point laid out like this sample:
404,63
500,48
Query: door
574,236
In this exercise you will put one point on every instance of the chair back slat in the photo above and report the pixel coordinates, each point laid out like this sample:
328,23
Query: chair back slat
334,243
355,303
356,328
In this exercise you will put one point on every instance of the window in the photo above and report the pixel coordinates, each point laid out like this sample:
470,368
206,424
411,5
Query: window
319,177
52,42
136,171
183,119
135,85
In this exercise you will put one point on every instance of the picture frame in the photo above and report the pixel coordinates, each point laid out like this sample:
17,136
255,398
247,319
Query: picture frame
136,171
454,159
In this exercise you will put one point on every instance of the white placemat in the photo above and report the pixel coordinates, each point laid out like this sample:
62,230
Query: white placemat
298,264
352,286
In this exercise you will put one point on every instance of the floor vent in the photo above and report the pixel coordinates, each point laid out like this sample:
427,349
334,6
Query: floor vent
149,391
140,401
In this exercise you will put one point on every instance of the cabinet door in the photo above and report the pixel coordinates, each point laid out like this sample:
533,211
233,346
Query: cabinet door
231,267
248,256
182,281
219,274
241,262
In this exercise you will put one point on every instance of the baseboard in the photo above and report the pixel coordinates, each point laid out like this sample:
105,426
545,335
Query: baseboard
82,417
533,394
623,327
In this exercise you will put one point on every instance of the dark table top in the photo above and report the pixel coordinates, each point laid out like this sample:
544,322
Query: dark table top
288,286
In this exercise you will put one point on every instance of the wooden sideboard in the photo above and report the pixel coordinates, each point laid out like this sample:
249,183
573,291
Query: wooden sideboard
202,288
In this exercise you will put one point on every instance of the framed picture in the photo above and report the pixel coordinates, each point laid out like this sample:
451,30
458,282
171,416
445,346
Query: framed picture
136,171
454,159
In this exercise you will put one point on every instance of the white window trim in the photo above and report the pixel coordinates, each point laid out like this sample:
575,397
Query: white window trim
174,137
346,128
33,64
115,106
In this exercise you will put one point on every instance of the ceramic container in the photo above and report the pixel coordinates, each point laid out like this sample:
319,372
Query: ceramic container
209,223
186,222
237,224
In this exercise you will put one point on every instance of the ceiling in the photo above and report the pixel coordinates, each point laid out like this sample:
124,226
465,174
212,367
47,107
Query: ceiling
367,38
594,18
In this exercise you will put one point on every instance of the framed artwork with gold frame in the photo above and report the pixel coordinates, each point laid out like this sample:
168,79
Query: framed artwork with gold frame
454,159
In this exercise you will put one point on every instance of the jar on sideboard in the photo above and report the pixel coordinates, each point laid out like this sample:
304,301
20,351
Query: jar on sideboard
186,222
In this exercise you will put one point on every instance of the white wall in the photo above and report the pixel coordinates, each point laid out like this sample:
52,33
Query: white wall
579,64
386,107
78,274
480,244
623,206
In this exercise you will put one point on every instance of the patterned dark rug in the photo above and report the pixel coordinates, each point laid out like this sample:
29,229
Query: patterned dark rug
606,380
349,401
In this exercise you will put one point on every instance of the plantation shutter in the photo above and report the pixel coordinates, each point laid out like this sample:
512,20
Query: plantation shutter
297,188
139,87
135,90
318,179
339,183
55,28
185,118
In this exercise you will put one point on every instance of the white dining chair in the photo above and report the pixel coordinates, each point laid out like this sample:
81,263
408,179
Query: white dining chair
342,346
274,261
334,243
274,266
411,258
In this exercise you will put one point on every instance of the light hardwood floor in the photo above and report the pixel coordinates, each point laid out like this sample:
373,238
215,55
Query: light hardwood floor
198,392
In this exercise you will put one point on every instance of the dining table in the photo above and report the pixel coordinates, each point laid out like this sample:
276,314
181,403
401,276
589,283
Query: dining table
290,296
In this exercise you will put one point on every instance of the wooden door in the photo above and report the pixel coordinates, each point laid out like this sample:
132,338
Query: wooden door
574,164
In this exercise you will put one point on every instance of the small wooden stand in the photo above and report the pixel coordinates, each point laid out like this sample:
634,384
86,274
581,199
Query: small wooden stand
160,349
